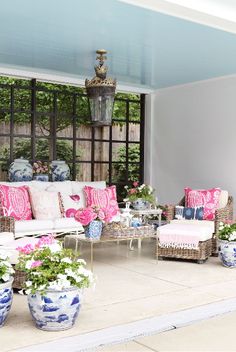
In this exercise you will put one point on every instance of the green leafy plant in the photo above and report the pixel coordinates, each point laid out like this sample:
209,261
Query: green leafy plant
6,270
227,231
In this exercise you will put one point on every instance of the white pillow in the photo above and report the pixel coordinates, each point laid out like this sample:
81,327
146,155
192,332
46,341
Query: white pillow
45,205
70,204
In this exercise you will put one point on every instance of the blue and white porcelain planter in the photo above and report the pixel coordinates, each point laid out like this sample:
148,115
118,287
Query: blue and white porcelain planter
94,230
20,170
41,177
60,170
6,297
140,204
56,310
227,253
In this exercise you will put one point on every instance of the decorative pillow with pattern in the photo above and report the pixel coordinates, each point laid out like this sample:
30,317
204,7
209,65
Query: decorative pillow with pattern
70,204
45,205
189,213
179,212
15,202
103,198
209,199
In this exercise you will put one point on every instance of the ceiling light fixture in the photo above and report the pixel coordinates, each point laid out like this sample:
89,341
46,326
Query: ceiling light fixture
101,92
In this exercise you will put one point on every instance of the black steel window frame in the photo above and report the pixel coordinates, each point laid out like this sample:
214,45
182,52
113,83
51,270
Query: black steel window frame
33,88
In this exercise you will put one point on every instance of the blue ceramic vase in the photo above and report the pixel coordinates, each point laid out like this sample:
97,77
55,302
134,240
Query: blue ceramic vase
41,177
140,204
227,253
94,230
56,310
6,297
20,170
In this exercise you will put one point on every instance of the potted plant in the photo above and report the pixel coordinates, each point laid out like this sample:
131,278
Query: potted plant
227,243
92,219
41,171
6,280
54,283
140,196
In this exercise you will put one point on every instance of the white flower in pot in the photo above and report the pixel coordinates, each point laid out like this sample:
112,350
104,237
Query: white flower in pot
55,281
227,243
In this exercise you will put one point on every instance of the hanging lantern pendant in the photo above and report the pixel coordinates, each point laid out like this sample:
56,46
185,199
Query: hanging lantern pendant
101,93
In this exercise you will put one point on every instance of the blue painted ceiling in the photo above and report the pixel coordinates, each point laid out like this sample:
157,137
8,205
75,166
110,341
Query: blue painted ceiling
146,48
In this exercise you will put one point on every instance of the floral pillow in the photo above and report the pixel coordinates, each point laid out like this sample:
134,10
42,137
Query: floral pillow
103,198
70,204
15,202
209,199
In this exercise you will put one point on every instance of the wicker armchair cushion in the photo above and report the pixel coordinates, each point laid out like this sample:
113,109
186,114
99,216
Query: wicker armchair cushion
224,196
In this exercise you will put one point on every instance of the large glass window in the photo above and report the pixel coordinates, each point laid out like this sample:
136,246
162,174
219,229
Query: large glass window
45,121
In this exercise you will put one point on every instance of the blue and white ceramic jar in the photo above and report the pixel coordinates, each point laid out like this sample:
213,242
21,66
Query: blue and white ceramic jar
227,253
140,204
56,310
93,230
6,297
20,170
60,170
41,177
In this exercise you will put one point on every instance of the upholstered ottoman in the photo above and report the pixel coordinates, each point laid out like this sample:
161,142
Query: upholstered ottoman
185,239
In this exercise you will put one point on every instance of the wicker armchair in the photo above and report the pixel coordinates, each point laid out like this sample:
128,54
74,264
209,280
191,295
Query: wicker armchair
7,224
221,214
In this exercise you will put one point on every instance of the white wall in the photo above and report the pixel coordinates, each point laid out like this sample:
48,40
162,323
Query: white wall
193,138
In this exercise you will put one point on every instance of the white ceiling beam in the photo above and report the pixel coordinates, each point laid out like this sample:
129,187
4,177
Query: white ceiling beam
185,13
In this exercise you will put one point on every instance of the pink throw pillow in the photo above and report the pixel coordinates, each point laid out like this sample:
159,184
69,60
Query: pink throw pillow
15,202
104,198
208,198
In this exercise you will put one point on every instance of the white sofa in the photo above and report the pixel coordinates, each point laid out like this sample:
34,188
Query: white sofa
23,228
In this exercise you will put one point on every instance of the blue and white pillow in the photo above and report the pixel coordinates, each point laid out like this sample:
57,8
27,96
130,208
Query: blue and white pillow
189,213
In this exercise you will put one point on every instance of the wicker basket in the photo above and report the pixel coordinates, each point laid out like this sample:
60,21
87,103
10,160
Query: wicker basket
19,279
118,230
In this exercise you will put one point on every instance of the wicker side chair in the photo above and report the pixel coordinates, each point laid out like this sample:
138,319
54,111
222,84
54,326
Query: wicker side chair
206,248
7,224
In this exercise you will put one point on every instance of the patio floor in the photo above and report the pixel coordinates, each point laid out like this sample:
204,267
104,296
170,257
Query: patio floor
130,286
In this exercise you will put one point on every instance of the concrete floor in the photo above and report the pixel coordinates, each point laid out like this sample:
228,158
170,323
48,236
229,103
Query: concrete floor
130,287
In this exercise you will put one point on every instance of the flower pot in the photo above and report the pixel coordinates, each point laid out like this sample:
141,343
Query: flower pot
60,170
41,177
140,204
94,230
55,310
227,253
6,296
20,170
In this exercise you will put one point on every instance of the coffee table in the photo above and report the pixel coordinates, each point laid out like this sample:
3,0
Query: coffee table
79,239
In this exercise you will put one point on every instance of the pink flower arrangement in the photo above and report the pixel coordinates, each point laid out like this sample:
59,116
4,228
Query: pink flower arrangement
36,263
44,241
40,167
86,215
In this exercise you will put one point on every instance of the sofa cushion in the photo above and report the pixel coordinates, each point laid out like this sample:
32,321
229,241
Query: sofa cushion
224,195
10,247
33,225
63,187
67,223
104,198
15,202
78,188
209,199
45,205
